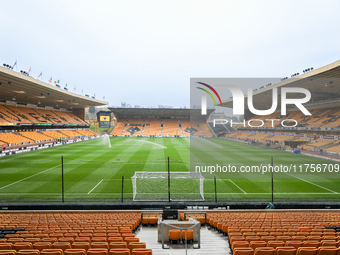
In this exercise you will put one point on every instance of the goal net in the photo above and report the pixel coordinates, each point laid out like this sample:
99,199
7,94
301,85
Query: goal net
153,186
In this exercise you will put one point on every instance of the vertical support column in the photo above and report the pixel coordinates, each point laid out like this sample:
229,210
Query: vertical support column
62,179
215,189
122,188
272,180
169,178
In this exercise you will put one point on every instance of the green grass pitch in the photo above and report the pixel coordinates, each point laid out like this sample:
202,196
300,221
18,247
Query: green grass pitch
93,171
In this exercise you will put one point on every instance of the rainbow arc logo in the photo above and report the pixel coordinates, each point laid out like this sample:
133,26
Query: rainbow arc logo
209,93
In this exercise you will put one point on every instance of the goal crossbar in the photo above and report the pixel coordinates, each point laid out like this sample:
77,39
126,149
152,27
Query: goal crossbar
153,186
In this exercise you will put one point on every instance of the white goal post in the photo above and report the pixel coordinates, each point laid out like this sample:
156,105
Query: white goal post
153,186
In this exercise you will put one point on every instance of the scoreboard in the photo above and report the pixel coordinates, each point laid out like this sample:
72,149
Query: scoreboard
104,119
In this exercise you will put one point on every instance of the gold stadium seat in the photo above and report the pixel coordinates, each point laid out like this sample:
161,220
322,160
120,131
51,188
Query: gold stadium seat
97,251
52,252
75,252
29,252
119,252
264,251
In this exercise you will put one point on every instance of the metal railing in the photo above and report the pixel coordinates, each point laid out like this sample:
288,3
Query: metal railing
198,246
205,215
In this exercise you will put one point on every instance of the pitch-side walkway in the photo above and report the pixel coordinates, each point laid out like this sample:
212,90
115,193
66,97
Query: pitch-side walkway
211,243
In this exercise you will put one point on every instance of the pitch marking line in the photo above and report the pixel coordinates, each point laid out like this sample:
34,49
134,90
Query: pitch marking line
95,186
271,193
29,177
312,183
237,186
110,193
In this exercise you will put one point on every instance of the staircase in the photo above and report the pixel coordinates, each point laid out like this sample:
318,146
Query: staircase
211,243
199,128
211,130
123,130
180,126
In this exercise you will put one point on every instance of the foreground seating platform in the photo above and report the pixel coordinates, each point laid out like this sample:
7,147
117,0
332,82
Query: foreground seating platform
70,234
284,233
104,233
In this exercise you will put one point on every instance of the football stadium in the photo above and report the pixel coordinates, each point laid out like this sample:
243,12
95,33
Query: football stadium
251,167
151,168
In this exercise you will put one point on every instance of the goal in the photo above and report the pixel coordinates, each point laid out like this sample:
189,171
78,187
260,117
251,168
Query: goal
153,186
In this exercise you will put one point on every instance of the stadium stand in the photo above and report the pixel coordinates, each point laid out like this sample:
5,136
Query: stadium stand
86,132
14,138
69,117
336,148
204,128
280,230
315,144
69,233
321,118
12,114
133,123
258,137
258,232
280,138
152,127
171,127
118,129
18,138
35,136
54,134
310,144
7,115
70,133
187,123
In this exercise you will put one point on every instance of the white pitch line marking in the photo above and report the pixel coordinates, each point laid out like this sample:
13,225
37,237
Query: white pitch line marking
237,186
95,186
271,193
312,183
106,193
29,177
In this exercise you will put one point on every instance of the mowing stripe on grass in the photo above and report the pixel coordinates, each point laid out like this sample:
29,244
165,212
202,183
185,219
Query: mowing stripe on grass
29,177
237,186
95,186
312,183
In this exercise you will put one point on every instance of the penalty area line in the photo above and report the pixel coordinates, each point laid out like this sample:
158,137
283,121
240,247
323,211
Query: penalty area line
237,186
29,177
95,186
317,185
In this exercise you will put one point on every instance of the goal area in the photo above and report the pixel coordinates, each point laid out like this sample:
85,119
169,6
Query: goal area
153,186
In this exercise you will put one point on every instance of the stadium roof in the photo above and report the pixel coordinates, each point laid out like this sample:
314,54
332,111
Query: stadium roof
323,83
23,89
158,113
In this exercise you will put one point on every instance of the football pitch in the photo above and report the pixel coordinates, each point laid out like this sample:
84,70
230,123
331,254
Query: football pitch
93,171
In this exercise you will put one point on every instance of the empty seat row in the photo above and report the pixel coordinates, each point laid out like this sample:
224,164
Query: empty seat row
287,251
118,251
274,244
73,234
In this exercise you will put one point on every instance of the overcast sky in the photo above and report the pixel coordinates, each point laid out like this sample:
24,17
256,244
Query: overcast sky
145,52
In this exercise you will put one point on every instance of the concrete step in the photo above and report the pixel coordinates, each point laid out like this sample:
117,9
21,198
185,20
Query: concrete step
211,243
